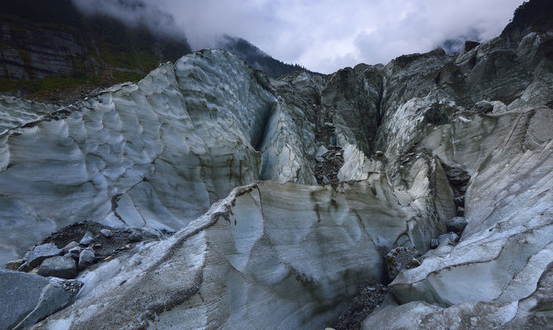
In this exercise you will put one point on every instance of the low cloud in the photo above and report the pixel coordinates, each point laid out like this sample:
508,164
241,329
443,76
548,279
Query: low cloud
134,13
321,35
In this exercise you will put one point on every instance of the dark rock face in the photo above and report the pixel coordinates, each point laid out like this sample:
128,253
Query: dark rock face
496,73
39,53
459,180
351,94
531,16
43,49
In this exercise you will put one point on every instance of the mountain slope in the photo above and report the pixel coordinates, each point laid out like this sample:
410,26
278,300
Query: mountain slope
48,46
256,58
52,50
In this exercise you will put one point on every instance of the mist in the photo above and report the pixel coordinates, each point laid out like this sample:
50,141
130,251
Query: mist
324,35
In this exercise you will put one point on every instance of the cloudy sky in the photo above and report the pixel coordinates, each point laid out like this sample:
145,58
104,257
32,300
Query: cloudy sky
322,35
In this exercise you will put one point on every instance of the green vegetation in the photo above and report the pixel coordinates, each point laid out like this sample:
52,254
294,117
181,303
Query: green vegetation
122,76
41,87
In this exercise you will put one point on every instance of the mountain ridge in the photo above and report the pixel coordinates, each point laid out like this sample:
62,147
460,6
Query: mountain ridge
256,58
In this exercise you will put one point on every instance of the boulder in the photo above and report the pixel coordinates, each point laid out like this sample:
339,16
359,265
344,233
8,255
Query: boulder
69,246
41,252
28,298
14,264
63,267
75,252
86,258
106,232
87,239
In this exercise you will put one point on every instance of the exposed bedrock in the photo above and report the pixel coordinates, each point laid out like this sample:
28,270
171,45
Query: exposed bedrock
38,52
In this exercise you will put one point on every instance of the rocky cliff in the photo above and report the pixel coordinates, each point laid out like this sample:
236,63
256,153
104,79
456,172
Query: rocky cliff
275,201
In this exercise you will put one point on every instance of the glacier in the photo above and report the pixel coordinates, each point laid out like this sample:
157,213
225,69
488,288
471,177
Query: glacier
284,195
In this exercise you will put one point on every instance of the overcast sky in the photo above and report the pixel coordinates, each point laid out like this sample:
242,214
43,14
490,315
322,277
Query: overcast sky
323,35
